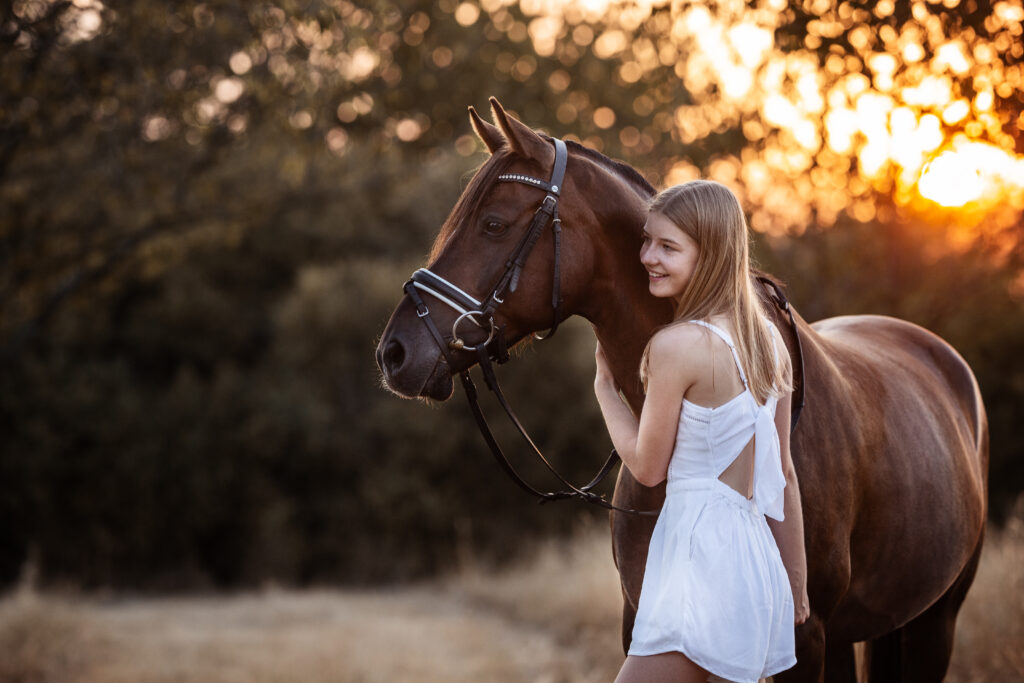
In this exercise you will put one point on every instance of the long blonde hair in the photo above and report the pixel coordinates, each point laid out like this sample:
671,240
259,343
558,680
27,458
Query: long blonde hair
722,282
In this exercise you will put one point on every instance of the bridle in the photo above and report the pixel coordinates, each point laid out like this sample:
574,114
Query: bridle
481,314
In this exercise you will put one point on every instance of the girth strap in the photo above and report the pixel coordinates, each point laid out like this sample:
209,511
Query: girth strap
800,393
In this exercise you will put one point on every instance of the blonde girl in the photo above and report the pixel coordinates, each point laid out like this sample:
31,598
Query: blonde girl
723,586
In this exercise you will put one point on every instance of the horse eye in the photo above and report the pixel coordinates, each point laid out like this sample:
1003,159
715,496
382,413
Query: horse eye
495,228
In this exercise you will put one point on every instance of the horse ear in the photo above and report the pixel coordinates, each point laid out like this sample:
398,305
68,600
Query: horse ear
489,134
521,138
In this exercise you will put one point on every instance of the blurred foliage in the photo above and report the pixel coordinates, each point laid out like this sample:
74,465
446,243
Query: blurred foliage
206,214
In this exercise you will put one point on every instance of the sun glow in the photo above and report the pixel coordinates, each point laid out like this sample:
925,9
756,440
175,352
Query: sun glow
973,172
947,182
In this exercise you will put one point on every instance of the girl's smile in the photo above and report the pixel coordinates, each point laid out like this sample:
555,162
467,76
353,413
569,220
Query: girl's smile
669,255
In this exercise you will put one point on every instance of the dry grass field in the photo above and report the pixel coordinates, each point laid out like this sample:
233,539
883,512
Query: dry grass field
554,618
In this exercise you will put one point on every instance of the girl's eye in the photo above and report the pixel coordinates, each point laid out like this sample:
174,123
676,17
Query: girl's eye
668,248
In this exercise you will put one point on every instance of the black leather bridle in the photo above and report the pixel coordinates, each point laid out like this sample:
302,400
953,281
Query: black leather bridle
481,314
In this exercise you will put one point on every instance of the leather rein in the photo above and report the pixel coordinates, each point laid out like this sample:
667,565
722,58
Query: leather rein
481,314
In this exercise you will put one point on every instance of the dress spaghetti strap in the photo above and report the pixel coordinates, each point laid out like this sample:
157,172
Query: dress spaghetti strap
728,340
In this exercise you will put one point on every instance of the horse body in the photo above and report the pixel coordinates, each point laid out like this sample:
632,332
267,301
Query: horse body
891,448
902,456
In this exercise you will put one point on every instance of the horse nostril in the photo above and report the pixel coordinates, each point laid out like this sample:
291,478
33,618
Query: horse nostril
394,355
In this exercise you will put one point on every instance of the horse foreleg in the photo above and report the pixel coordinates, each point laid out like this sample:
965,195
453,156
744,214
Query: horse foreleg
810,654
628,617
883,658
920,651
840,663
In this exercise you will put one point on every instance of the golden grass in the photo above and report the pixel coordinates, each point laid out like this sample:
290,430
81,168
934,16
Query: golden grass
566,588
990,628
41,640
554,617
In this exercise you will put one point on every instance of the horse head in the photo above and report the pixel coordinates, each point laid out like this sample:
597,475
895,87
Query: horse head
434,330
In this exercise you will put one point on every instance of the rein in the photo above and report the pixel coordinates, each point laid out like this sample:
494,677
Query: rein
780,300
481,314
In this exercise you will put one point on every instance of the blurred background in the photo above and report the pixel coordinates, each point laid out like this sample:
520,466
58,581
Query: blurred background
207,211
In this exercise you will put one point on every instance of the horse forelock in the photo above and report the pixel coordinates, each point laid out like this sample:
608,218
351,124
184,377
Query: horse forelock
469,201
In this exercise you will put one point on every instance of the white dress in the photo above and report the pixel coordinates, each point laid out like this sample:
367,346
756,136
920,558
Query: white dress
715,587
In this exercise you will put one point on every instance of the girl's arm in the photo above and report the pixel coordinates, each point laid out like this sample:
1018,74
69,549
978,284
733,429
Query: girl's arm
789,534
646,445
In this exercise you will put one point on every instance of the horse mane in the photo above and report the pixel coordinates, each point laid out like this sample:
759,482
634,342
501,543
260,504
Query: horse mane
619,167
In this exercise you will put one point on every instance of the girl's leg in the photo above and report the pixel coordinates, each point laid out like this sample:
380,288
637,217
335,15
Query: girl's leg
668,667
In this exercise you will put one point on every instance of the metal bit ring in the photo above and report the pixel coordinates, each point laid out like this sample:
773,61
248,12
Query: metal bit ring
458,344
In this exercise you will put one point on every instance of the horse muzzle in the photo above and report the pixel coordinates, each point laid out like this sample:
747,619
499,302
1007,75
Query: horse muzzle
411,365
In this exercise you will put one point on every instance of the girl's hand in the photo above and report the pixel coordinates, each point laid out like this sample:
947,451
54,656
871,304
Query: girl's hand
603,374
801,607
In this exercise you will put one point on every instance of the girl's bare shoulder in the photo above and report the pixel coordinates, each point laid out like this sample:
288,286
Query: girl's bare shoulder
679,346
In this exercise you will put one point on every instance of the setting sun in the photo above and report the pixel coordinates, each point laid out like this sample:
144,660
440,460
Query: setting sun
949,182
972,171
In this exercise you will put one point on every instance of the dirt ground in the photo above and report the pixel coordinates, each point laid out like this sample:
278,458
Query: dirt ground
552,619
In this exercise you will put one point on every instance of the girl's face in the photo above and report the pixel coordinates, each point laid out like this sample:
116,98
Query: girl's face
669,255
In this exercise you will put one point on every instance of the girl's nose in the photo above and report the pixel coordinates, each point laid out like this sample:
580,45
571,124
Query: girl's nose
645,255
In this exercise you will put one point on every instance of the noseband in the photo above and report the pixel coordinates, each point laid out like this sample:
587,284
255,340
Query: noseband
481,314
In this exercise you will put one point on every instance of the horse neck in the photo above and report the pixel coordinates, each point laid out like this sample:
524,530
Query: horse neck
621,308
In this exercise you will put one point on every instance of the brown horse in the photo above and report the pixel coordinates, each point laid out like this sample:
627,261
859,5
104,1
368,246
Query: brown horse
891,450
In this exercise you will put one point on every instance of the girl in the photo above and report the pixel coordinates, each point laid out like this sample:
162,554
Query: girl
716,599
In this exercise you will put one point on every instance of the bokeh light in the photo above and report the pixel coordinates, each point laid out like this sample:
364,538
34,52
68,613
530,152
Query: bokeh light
905,110
808,111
